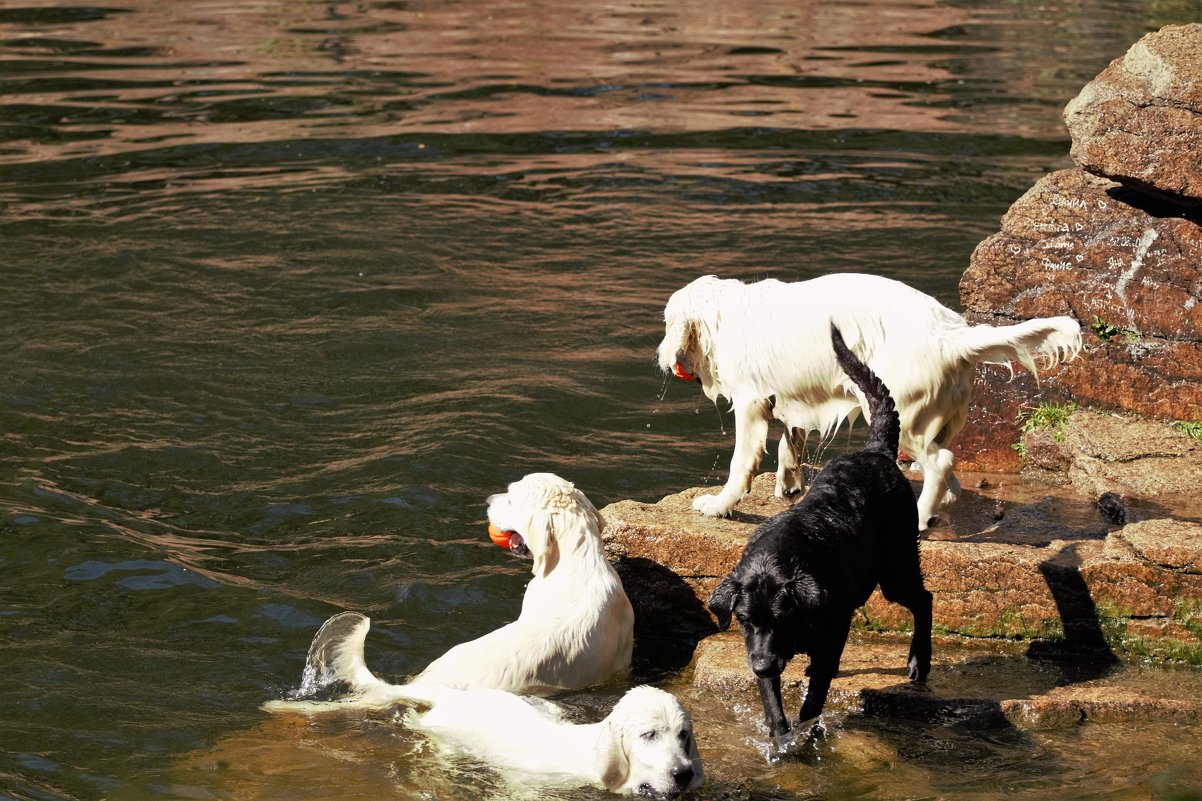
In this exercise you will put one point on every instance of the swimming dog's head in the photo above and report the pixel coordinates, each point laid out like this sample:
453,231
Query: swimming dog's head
647,746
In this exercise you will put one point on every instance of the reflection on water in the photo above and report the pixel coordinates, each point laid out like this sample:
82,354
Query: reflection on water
289,289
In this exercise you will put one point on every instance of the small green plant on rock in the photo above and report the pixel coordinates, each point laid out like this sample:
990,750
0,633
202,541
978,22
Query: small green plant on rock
1045,415
1103,329
1192,429
1107,332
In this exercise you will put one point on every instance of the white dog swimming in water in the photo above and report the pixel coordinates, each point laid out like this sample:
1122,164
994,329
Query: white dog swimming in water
644,746
764,347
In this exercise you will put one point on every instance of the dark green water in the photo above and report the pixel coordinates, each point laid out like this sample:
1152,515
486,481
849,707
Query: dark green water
289,289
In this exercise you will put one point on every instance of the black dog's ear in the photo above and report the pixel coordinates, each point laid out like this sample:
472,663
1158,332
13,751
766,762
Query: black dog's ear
722,601
805,593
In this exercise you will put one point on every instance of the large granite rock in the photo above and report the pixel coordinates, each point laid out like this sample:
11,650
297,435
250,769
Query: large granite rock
1139,122
1123,256
1080,245
1128,268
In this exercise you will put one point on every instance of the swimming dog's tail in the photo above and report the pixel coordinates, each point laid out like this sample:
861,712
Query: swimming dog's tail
885,427
336,675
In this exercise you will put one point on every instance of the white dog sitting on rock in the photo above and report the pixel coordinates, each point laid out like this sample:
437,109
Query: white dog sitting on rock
764,347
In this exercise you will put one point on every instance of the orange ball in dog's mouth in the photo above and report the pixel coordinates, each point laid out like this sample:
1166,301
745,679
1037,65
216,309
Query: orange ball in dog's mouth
680,372
498,536
510,540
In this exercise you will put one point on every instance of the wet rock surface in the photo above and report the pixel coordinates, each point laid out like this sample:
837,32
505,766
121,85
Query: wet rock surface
980,685
1015,558
1065,579
1099,453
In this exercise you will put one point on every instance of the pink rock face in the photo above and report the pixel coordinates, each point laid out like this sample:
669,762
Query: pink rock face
1140,121
1123,256
1128,268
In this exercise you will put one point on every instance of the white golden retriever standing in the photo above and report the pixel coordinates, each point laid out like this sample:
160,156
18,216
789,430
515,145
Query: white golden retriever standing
764,347
576,627
645,745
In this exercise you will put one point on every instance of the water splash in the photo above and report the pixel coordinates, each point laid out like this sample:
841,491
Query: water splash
319,682
709,477
311,683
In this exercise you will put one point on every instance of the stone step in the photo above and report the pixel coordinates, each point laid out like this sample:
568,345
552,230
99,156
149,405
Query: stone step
985,685
1015,559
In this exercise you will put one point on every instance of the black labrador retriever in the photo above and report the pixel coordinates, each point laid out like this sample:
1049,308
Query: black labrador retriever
805,571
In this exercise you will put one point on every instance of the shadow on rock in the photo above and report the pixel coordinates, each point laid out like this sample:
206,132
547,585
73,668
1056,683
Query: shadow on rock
658,595
1083,651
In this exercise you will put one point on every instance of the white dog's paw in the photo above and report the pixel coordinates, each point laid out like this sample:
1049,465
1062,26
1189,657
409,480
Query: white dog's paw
789,484
712,505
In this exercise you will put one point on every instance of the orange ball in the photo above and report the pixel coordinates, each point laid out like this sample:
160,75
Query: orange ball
498,536
679,372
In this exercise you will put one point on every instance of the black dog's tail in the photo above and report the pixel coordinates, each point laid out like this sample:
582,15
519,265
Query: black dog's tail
885,427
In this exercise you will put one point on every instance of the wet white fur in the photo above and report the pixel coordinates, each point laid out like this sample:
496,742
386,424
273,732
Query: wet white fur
770,339
576,626
641,746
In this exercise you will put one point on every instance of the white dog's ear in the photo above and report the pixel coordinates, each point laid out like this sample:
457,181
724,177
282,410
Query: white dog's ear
568,515
690,320
695,759
678,336
611,761
541,539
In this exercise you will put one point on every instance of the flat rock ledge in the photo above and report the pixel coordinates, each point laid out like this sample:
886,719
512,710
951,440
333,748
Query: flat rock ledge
1028,574
982,684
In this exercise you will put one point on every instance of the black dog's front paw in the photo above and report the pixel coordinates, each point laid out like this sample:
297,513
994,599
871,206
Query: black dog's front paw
916,670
